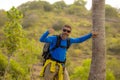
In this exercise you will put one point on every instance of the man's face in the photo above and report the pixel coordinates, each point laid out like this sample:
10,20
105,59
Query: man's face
66,31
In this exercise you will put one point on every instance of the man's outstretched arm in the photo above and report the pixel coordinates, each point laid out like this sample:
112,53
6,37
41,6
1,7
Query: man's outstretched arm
84,38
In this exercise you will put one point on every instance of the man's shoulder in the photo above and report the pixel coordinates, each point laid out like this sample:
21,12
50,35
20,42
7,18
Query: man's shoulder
53,36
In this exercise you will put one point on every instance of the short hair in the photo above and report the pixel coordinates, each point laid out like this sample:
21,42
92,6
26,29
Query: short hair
68,26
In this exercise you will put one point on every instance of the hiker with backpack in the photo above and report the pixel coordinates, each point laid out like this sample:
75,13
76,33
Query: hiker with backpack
55,56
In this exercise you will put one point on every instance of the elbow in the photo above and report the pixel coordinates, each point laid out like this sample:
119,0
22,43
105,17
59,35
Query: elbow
41,40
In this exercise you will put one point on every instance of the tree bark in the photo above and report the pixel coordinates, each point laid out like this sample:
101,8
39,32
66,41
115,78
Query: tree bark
98,65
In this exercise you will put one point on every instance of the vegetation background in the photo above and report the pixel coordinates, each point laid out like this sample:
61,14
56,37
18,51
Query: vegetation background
21,28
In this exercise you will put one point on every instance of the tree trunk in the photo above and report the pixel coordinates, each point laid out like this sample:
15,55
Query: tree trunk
7,68
98,65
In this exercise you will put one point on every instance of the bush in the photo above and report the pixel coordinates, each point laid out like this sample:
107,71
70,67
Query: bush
82,72
3,63
58,25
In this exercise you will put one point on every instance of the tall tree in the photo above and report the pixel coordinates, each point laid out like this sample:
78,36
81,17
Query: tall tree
13,33
98,65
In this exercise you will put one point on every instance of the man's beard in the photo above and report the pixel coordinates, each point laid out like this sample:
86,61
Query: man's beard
64,35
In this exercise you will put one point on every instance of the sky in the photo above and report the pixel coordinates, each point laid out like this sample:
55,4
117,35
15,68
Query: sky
7,4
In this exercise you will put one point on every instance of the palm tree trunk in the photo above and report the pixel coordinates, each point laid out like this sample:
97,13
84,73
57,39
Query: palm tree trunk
98,65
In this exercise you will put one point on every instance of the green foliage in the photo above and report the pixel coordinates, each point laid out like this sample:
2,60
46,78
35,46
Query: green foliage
3,63
112,34
14,34
111,11
85,23
110,76
16,69
114,45
82,72
58,6
13,30
36,5
113,66
14,15
80,2
76,10
30,19
29,53
23,59
47,6
3,18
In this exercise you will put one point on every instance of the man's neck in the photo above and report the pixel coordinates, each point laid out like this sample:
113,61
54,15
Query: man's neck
63,37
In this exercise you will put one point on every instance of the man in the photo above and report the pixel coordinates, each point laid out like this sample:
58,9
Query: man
54,68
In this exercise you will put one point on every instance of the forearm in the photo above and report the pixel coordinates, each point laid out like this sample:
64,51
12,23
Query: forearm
44,36
81,39
85,37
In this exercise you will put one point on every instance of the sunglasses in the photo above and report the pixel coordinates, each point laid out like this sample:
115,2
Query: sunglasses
65,30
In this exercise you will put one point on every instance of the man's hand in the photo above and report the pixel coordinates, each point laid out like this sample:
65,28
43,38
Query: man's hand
94,34
51,30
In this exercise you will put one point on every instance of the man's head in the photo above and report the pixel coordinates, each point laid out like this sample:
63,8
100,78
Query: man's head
66,30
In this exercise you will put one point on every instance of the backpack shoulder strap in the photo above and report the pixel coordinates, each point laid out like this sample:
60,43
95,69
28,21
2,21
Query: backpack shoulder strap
57,42
68,43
